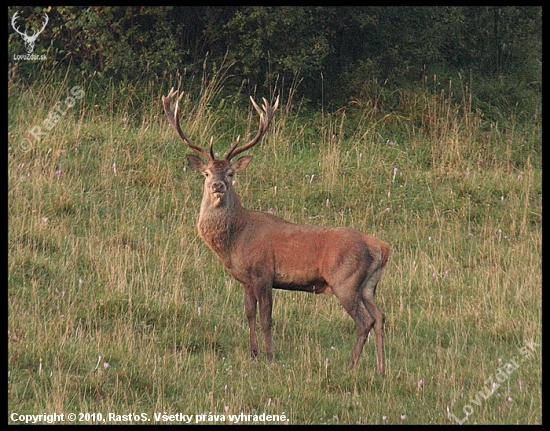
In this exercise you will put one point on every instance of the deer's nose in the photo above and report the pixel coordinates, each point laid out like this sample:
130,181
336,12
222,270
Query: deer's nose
218,187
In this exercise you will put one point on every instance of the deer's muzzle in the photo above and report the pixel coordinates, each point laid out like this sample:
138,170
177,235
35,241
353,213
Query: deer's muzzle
218,188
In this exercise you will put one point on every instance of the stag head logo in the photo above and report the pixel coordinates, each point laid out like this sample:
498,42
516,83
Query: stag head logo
29,40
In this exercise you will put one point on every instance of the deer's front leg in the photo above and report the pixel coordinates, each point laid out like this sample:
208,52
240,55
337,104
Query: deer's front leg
265,298
250,302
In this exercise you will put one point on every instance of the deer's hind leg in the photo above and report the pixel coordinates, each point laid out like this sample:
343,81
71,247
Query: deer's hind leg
351,300
367,294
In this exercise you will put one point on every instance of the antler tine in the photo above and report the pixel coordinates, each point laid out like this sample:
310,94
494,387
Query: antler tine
211,149
13,20
265,119
173,119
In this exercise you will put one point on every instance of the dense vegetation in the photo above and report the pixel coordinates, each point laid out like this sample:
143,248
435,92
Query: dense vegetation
429,136
337,53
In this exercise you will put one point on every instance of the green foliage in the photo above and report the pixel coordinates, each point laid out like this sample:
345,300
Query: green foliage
333,52
281,41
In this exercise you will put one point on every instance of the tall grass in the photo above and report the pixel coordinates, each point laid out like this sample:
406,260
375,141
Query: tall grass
115,306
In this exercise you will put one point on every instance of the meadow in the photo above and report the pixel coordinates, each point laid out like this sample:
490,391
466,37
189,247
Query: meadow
118,313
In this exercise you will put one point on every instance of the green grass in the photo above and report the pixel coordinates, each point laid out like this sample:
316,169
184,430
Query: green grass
104,260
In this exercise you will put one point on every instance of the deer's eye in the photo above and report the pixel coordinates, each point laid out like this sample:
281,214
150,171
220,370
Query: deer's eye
206,174
230,174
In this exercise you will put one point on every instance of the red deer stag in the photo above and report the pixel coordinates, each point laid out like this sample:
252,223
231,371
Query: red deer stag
265,252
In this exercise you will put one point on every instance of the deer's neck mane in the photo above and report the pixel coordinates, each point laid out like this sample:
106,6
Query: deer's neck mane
220,224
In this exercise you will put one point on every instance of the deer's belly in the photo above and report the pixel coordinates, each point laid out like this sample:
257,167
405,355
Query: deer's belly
315,286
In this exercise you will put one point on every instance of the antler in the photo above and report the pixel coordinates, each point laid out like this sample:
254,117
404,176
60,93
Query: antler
264,124
265,119
173,118
14,18
25,35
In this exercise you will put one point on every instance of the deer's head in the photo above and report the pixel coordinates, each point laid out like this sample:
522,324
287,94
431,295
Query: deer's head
218,174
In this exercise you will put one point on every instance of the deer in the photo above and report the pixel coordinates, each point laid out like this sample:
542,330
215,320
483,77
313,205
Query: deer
264,252
29,40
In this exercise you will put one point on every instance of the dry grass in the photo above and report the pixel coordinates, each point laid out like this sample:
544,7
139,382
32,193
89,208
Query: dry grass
104,261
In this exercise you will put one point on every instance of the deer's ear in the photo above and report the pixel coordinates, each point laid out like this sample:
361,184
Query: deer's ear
241,163
196,162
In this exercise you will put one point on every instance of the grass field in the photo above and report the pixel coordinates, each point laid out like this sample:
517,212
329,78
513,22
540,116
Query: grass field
117,309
